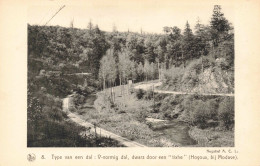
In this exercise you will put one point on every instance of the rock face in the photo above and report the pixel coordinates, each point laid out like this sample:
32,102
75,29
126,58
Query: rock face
214,81
217,77
211,80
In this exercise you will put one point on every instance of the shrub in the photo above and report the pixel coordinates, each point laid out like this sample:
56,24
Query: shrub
173,76
191,73
222,63
78,99
226,112
200,114
212,107
148,95
169,114
166,104
139,93
141,115
159,96
195,66
155,108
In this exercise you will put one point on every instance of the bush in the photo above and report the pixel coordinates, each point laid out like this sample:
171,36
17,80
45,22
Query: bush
148,95
226,112
139,93
195,65
170,114
222,63
160,96
212,106
78,99
200,114
208,62
173,76
192,71
166,104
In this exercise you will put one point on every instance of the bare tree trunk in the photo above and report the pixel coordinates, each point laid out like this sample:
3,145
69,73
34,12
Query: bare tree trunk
183,61
111,92
104,79
182,56
213,51
127,86
123,87
202,63
159,70
104,84
120,80
114,93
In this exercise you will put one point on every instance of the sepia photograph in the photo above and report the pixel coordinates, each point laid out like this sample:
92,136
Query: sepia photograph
131,76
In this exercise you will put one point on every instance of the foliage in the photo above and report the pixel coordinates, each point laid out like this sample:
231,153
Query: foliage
112,58
200,114
78,99
107,71
140,93
149,94
226,113
60,47
219,25
47,125
173,76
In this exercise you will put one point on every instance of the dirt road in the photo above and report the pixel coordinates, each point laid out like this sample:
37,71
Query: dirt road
147,86
104,133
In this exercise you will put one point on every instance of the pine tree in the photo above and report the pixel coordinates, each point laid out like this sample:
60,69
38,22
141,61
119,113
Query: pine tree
201,38
187,43
219,25
90,26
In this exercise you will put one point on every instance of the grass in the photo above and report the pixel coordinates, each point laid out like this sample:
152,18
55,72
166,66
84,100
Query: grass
126,117
212,138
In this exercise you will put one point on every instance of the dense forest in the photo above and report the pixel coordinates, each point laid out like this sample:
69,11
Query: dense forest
181,59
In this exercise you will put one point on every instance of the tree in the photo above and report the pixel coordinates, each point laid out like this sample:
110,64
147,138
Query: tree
112,73
174,51
140,71
147,69
136,48
96,45
97,30
34,112
173,47
219,25
103,71
166,29
188,43
200,41
122,66
149,50
90,26
108,72
153,70
175,33
114,30
226,112
160,48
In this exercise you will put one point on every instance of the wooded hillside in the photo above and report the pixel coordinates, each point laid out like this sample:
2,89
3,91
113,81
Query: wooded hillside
198,61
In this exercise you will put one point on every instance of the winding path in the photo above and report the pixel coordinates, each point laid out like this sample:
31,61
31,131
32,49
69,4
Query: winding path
104,133
147,86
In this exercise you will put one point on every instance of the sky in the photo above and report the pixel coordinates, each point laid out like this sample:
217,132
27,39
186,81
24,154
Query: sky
151,16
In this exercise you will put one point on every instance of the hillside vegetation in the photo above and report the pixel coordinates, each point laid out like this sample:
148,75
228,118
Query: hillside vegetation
201,61
213,78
